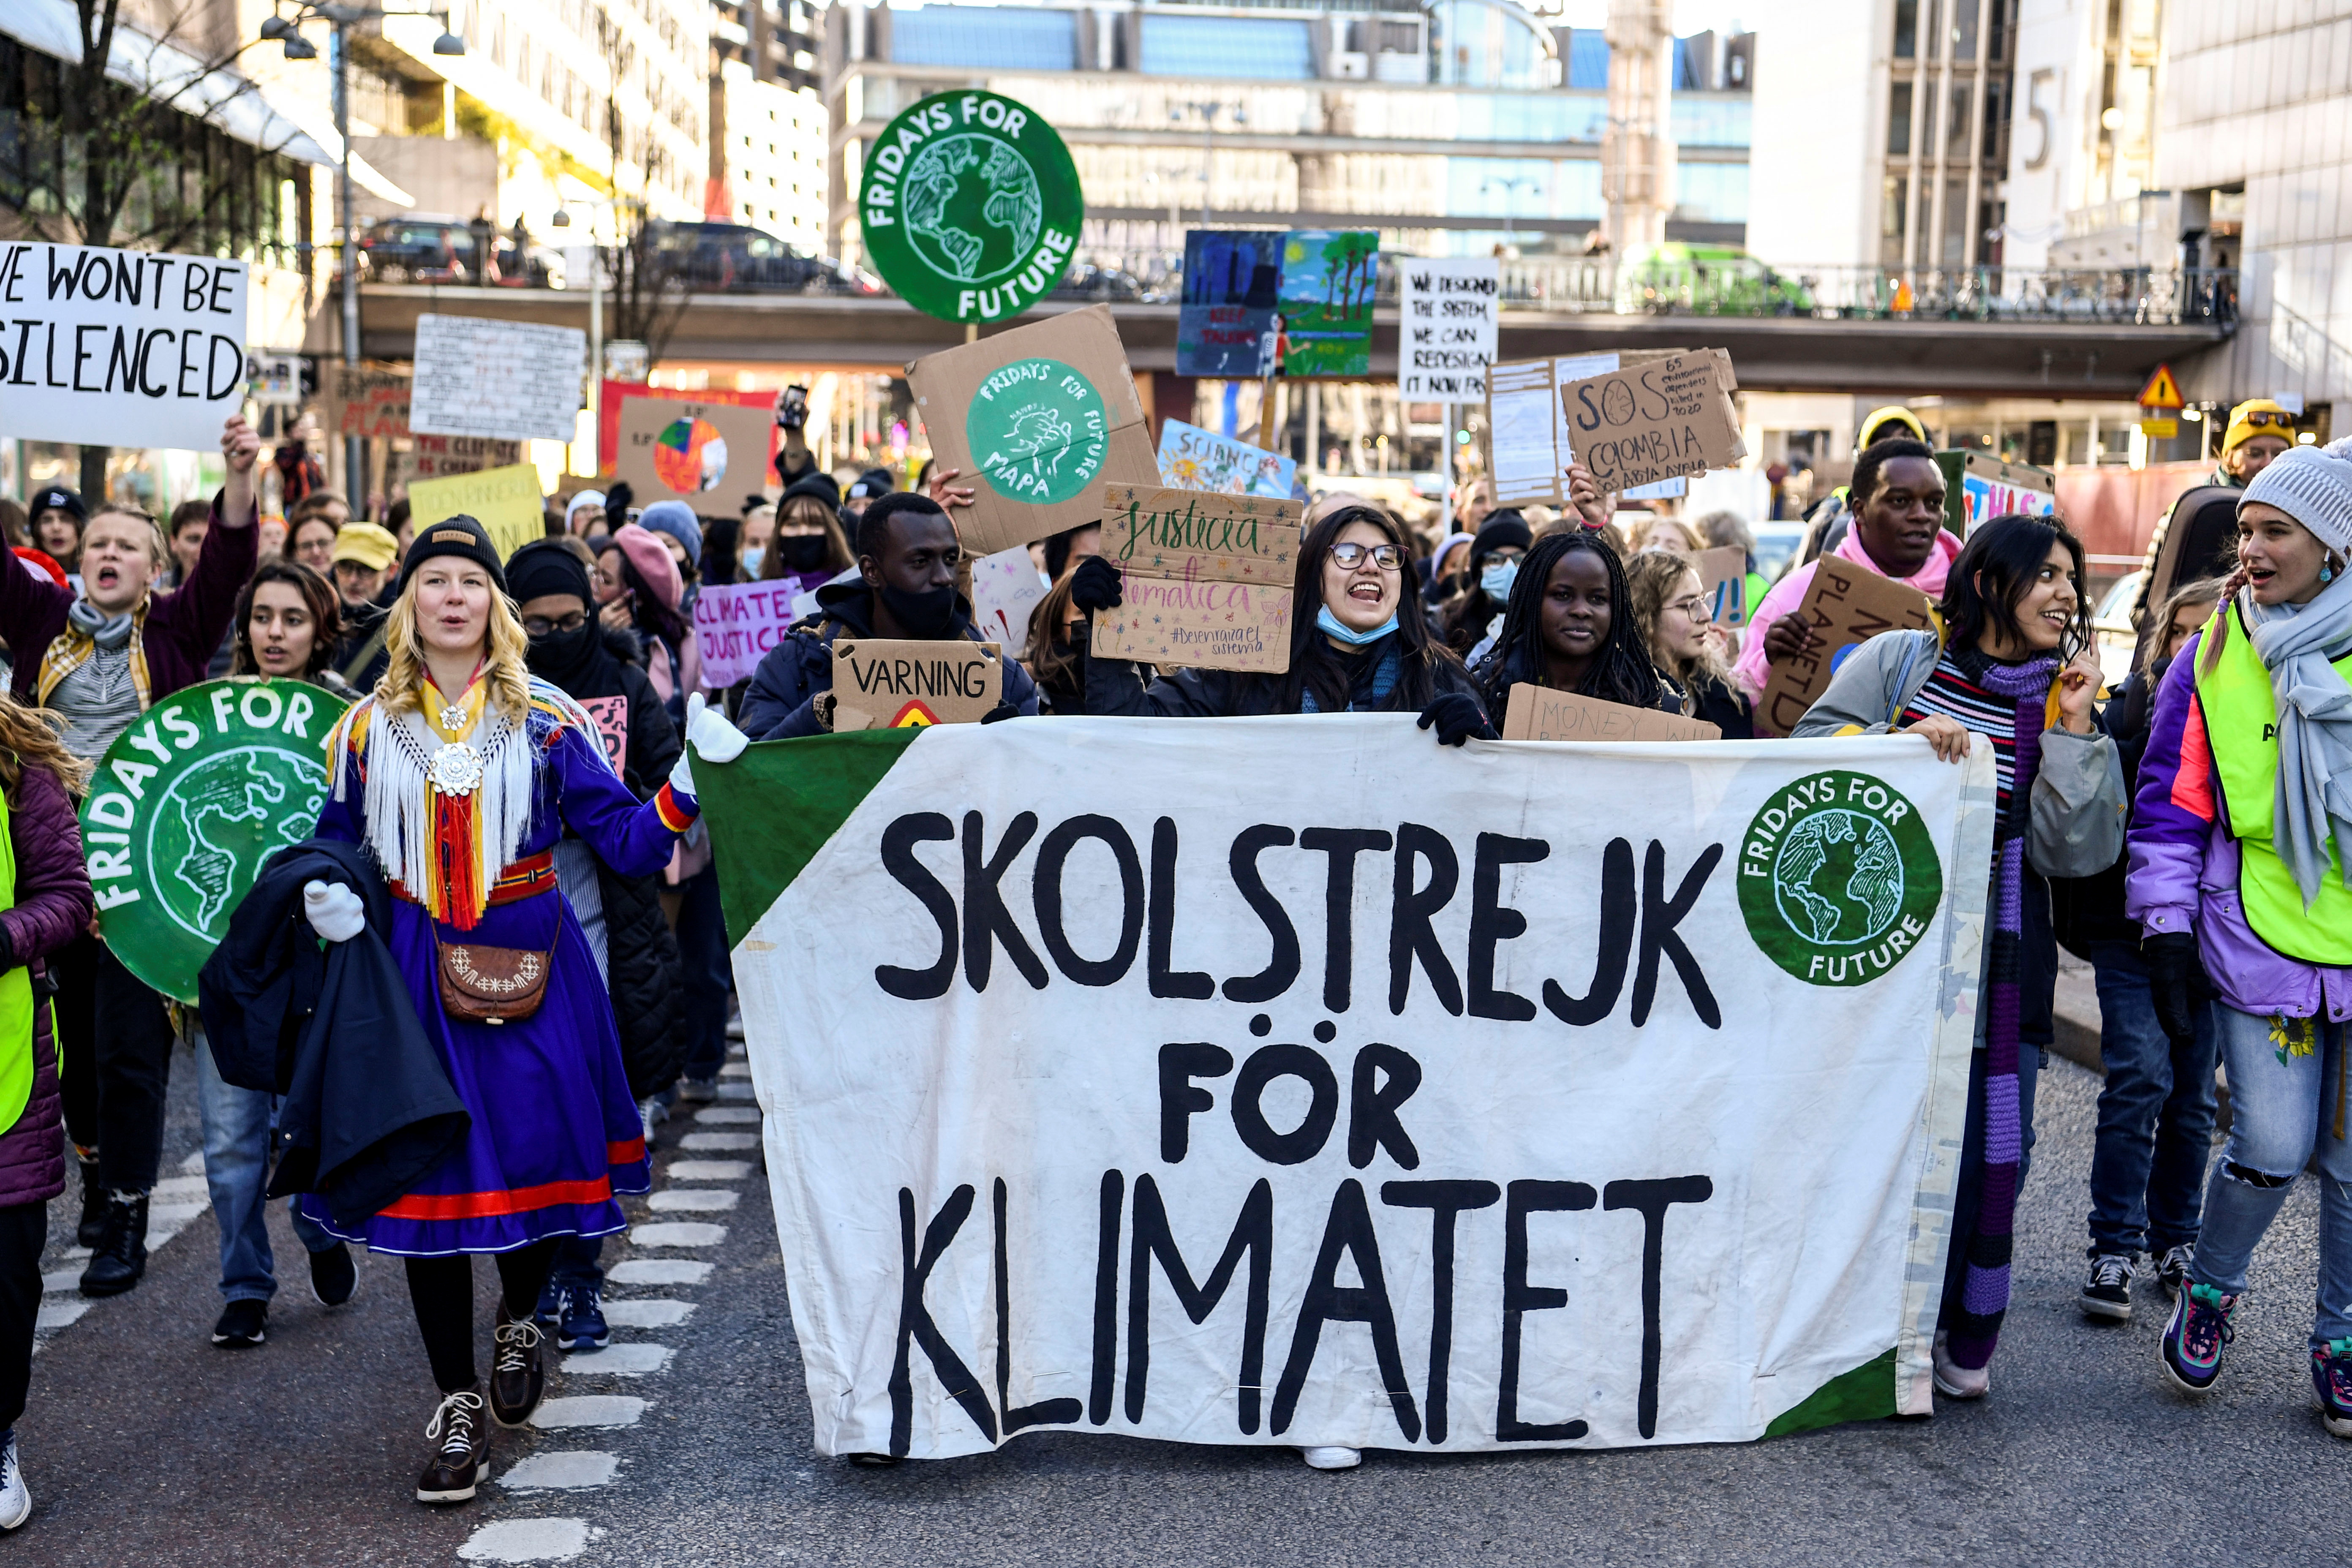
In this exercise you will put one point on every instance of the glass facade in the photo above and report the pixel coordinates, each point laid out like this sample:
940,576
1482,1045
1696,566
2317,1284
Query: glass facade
1948,104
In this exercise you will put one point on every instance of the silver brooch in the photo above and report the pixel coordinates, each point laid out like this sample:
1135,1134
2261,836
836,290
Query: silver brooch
455,769
455,720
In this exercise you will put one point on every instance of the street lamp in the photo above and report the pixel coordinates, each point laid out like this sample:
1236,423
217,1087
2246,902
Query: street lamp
285,28
1208,109
1509,185
562,219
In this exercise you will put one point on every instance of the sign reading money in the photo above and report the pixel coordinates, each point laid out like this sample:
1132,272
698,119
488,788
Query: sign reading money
185,807
1648,422
1540,713
1205,580
971,206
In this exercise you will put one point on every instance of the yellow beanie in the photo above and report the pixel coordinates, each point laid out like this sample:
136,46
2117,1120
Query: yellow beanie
2244,428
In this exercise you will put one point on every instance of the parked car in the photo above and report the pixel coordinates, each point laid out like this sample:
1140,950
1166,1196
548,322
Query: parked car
1676,279
2111,624
423,248
529,266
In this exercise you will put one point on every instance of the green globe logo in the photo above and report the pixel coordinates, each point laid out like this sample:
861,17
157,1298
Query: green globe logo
1039,431
215,823
972,207
1837,879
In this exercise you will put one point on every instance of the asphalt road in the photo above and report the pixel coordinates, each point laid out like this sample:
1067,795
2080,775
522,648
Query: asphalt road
145,1444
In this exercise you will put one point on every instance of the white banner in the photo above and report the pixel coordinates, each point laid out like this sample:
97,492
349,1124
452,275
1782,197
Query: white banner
1297,1080
119,348
1446,327
512,381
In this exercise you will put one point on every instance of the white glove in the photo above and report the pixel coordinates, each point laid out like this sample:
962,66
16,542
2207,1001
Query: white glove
334,910
708,732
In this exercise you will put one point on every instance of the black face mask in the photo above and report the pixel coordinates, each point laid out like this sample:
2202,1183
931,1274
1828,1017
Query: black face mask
926,615
802,551
561,656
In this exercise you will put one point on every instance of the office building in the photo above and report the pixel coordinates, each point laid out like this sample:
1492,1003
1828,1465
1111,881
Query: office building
770,141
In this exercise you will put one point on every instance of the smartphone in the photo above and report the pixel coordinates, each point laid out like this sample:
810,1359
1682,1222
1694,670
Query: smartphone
791,408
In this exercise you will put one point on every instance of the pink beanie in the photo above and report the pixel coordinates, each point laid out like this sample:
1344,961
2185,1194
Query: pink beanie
651,557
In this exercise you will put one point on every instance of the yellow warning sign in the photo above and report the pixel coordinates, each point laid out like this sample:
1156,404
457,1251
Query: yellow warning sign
2161,391
2159,429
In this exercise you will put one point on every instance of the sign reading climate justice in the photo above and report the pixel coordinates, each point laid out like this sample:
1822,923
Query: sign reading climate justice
1295,1080
971,206
185,807
98,344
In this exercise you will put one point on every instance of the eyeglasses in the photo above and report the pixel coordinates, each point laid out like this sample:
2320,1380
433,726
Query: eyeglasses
1695,607
1387,557
539,626
2255,418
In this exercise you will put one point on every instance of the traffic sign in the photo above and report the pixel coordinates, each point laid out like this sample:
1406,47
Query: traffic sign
971,206
2161,391
2159,429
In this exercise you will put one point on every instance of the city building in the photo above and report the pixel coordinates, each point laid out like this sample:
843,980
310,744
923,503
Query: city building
773,40
768,145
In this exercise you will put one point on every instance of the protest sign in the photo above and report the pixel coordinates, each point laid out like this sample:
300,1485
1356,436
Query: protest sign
1846,604
1232,280
1723,578
477,376
1978,486
1648,422
708,455
442,457
879,684
1156,1078
619,394
1191,458
1326,304
187,804
374,403
1037,418
506,501
735,624
1524,420
102,346
612,717
1446,327
1205,580
1539,713
1006,587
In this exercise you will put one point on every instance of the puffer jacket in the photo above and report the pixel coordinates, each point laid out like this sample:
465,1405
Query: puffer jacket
780,702
53,907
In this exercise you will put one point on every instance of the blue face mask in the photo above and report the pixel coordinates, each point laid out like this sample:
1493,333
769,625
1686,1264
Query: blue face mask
1333,626
753,555
1497,577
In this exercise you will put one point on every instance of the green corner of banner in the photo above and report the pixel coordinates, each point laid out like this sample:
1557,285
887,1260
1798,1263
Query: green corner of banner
1865,1393
773,808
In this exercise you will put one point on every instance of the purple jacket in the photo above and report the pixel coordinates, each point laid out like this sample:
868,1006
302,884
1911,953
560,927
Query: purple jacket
53,907
2184,867
182,630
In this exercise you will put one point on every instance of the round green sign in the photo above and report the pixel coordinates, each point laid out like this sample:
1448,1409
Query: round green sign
186,805
971,206
1837,879
1038,430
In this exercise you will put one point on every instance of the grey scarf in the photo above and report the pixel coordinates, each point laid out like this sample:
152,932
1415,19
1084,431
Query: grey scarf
2314,708
109,632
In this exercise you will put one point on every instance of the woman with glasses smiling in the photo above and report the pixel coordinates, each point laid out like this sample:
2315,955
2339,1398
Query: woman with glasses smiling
1673,616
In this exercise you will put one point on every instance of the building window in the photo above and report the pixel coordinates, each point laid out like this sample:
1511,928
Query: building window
1964,28
1899,121
1956,221
1893,204
1956,137
1907,25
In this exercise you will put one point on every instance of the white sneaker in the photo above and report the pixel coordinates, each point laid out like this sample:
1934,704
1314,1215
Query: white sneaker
1960,1381
15,1502
1332,1457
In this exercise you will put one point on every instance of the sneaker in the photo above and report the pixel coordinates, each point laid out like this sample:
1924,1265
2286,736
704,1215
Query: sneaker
1331,1457
874,1461
243,1325
118,1261
461,1450
2172,1269
1956,1382
2107,1295
549,1310
519,1376
2331,1385
15,1502
696,1091
91,1230
2193,1340
583,1321
334,1277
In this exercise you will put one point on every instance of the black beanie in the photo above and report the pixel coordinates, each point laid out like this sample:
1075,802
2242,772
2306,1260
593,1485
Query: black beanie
548,566
58,498
819,484
1503,530
461,536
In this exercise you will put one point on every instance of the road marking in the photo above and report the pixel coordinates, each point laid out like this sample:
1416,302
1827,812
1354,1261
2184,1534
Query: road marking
194,1165
59,1314
588,1410
569,1472
165,1221
717,1142
182,1189
733,1089
709,1170
618,1361
659,1272
527,1540
722,1114
59,1279
676,1233
736,1070
660,1312
697,1200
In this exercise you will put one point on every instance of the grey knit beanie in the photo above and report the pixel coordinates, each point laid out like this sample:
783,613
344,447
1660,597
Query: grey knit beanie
2312,485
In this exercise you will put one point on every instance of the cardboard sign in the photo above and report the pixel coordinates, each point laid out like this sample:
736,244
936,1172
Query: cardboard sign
1006,587
1977,487
514,379
683,450
1722,578
735,625
883,685
1649,423
1446,327
1038,418
374,403
1191,458
612,716
1847,604
506,501
1539,713
105,346
1207,579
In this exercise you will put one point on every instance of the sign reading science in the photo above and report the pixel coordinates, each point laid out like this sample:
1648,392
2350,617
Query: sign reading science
971,206
1118,1083
186,805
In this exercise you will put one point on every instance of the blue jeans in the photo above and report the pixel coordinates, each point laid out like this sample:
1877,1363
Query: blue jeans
2280,1112
577,1261
2156,1115
708,976
238,1124
1968,1195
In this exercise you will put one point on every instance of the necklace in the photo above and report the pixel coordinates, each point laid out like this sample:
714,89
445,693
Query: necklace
455,717
455,769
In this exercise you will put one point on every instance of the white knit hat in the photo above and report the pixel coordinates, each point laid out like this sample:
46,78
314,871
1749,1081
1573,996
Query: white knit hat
2312,485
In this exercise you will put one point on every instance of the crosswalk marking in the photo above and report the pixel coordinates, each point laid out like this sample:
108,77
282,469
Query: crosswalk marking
693,1200
657,1313
734,1089
588,1410
717,1143
618,1361
528,1541
677,1232
569,1472
659,1272
721,1115
59,1279
736,1070
709,1170
55,1315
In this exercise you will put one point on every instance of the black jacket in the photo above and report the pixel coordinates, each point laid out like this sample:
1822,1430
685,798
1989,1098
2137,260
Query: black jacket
780,703
369,1110
1115,687
1715,702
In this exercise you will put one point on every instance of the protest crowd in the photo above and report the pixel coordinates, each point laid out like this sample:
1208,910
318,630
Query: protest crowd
512,900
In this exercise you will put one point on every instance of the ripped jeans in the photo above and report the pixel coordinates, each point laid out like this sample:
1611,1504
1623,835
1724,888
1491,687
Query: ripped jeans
2288,1099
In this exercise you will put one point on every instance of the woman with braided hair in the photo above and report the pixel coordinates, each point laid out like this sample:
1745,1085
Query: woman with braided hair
1570,626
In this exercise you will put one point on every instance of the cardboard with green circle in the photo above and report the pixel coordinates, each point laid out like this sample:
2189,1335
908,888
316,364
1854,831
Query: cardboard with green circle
1838,877
970,206
188,804
1037,419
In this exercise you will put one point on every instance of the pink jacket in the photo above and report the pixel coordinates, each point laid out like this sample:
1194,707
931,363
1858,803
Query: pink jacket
1751,668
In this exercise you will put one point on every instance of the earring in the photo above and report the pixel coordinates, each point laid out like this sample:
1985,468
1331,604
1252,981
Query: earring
2326,575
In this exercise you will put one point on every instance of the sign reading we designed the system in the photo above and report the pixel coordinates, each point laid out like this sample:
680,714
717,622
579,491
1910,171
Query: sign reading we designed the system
102,347
1446,327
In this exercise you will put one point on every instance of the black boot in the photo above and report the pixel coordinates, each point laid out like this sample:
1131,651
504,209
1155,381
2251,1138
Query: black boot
120,1259
93,1228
